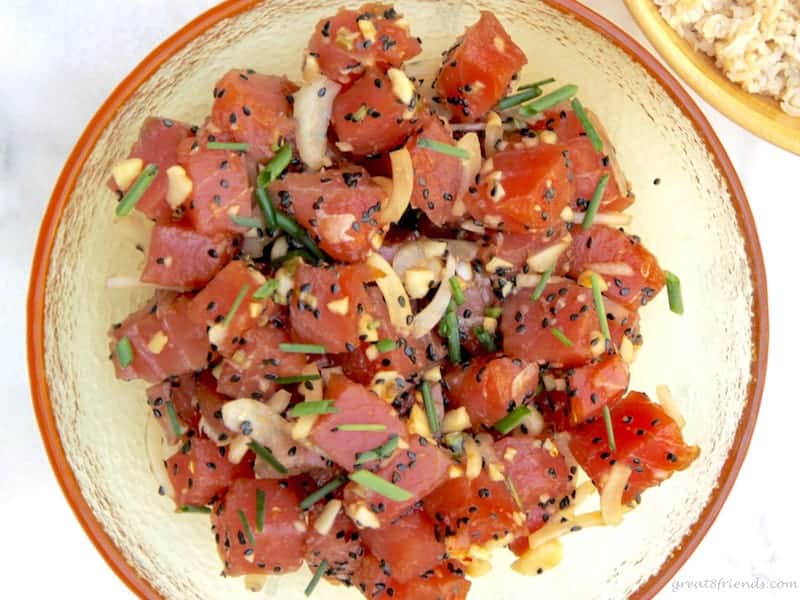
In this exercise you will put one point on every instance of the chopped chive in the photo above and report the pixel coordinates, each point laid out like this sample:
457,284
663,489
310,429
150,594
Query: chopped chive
248,222
232,146
549,100
541,284
267,208
290,226
514,494
559,335
137,189
290,379
260,501
191,508
236,304
537,84
266,290
318,495
246,526
173,419
588,127
430,408
361,427
453,335
455,441
492,311
594,205
600,306
442,148
313,407
485,338
323,566
124,352
295,253
674,294
512,419
380,485
455,287
303,348
522,96
268,456
385,345
277,165
612,444
383,451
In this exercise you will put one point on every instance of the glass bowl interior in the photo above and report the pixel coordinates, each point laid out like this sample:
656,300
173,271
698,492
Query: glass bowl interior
688,220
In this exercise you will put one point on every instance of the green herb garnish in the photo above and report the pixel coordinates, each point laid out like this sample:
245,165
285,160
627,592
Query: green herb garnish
318,495
512,419
674,294
559,335
453,334
612,444
137,190
232,146
600,306
361,427
521,96
430,408
313,407
537,84
380,486
442,148
267,208
246,526
588,127
548,100
236,304
455,287
276,166
268,456
493,311
266,290
594,205
302,348
485,338
385,345
290,379
323,566
260,501
124,352
177,428
249,222
191,508
541,284
383,451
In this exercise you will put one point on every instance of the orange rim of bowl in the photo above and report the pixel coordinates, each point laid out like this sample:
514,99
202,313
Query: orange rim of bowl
66,182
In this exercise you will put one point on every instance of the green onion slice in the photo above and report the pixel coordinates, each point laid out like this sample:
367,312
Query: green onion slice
124,352
177,428
260,501
600,306
266,290
442,148
246,526
674,293
290,379
303,348
612,444
249,222
236,304
361,427
191,508
313,407
232,146
453,335
485,338
548,100
529,93
290,226
268,456
493,311
512,419
588,127
594,205
383,451
559,335
385,345
537,84
430,408
318,495
137,190
541,284
455,287
277,165
323,566
380,486
267,208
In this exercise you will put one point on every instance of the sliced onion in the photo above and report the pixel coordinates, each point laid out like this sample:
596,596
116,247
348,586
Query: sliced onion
611,497
547,258
433,313
463,250
397,302
555,528
535,560
493,134
669,405
157,451
610,218
312,112
472,165
614,269
402,186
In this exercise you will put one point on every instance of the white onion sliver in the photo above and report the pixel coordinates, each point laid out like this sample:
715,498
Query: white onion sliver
312,112
612,218
611,497
547,258
617,269
427,318
155,444
472,165
407,256
669,405
397,302
402,186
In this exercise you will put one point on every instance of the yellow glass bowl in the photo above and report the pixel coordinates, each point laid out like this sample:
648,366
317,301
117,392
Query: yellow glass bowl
696,220
759,114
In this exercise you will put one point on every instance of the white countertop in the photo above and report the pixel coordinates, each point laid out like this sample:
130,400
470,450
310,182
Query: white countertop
59,61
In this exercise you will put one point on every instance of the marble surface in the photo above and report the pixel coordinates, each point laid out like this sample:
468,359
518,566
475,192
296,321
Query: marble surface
59,61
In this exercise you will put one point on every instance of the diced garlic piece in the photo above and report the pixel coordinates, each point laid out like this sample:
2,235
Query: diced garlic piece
340,306
126,171
326,518
158,342
402,88
179,186
456,420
